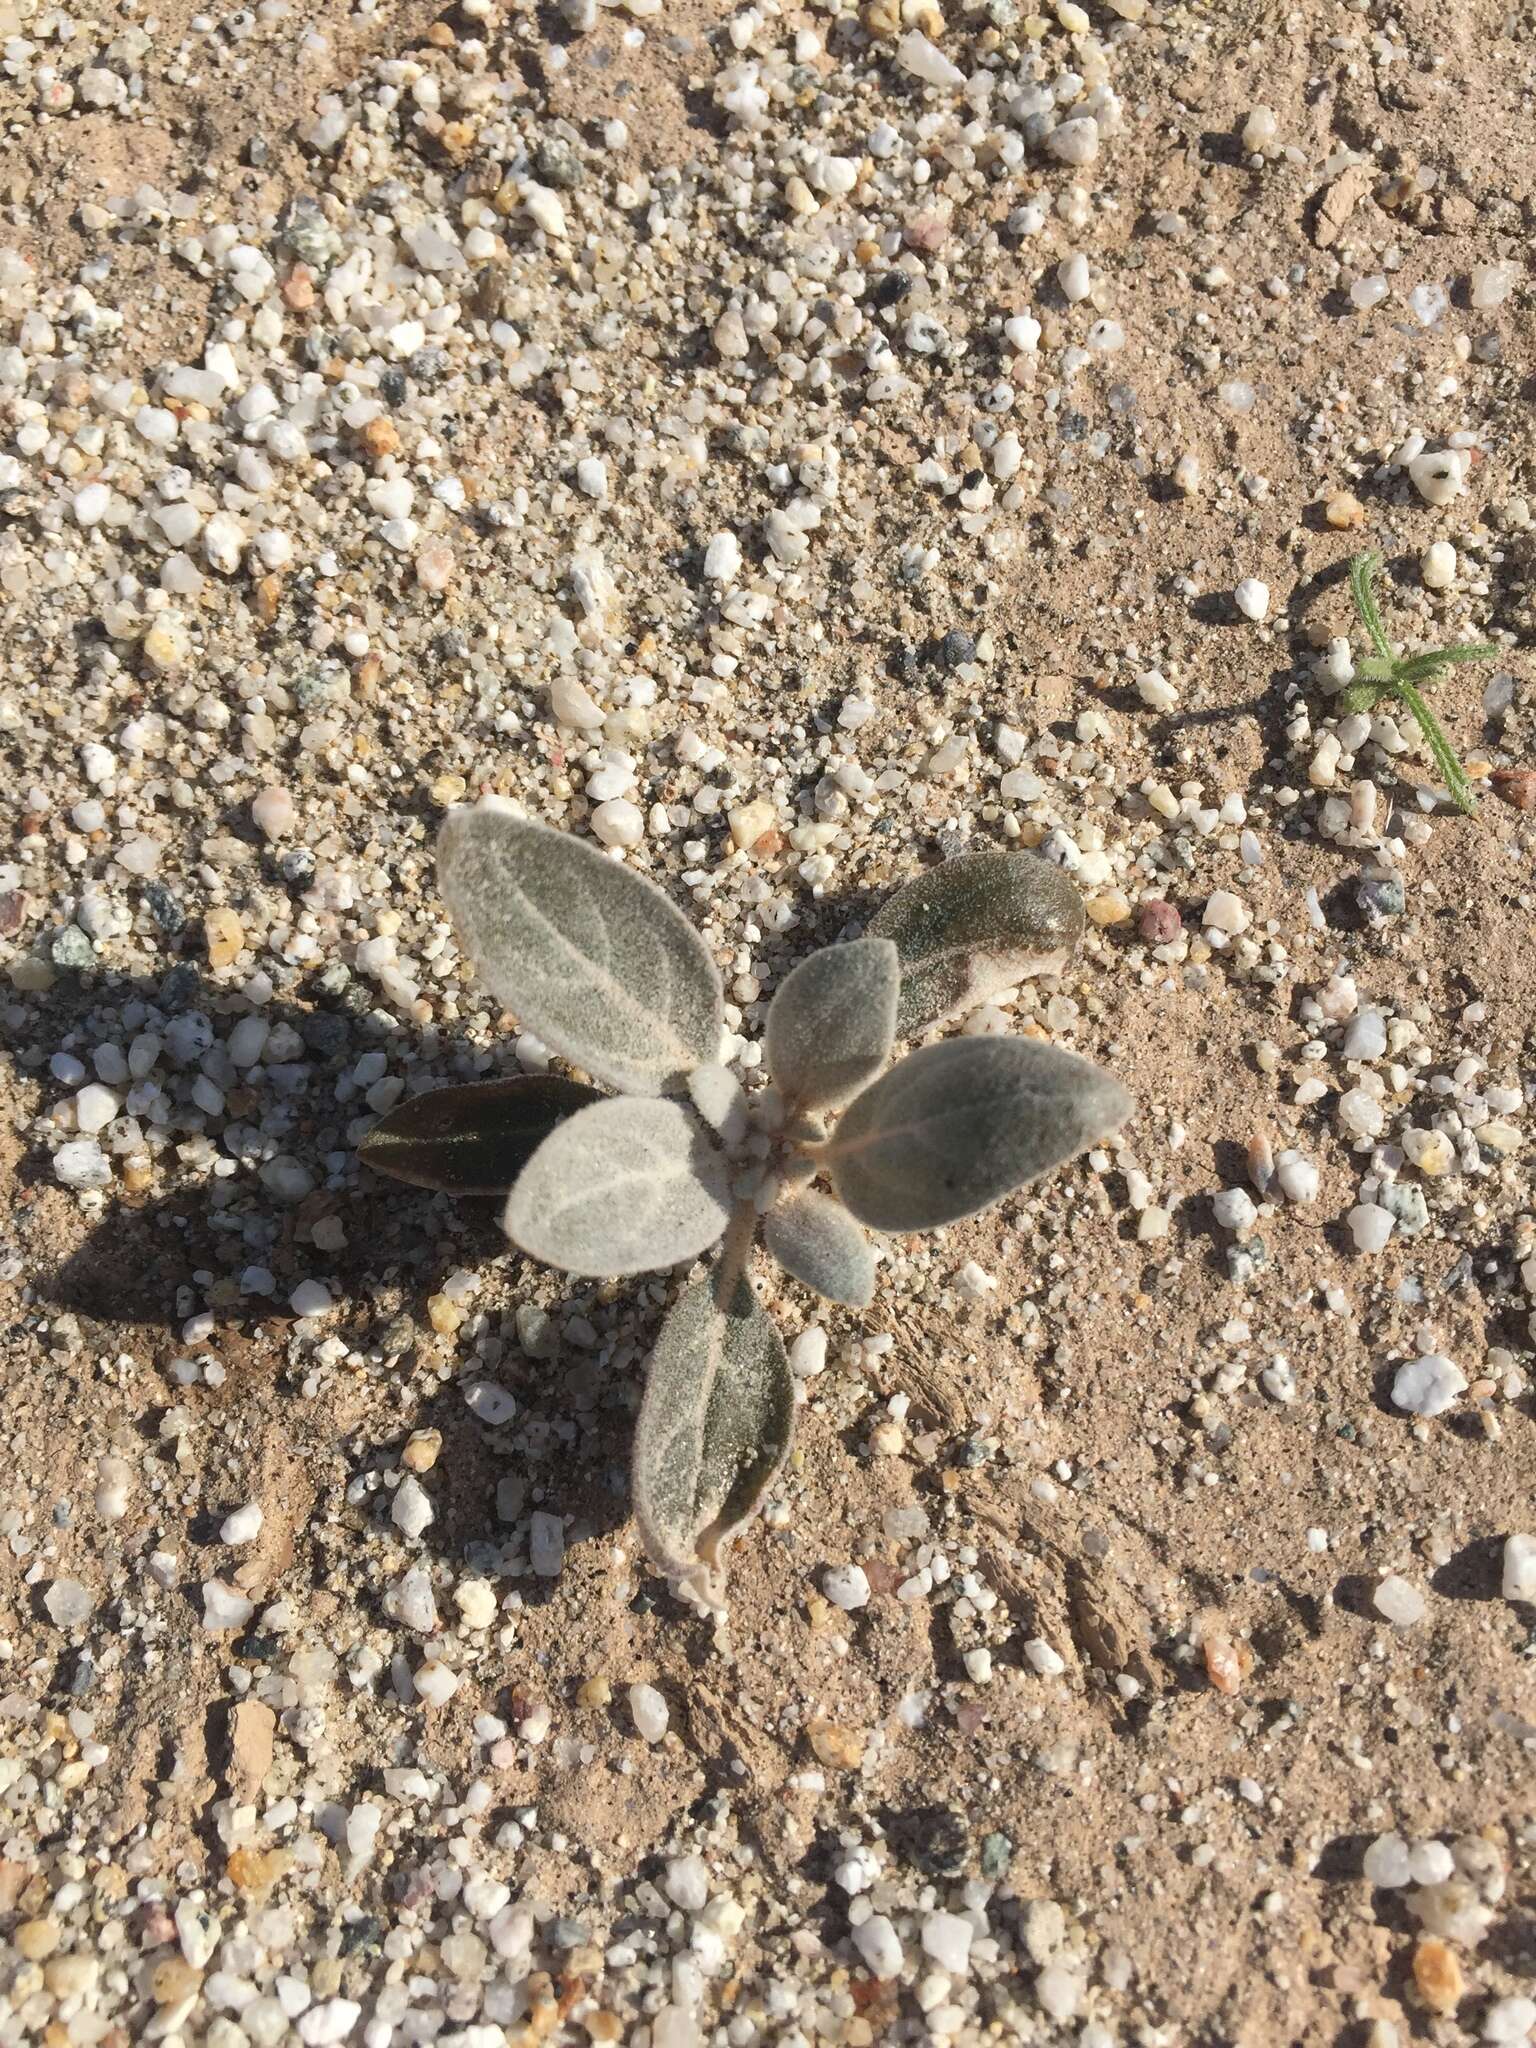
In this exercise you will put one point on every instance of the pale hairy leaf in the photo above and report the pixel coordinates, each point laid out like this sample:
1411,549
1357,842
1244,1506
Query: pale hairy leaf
722,1102
714,1428
832,1023
472,1140
816,1240
974,925
592,958
626,1186
957,1125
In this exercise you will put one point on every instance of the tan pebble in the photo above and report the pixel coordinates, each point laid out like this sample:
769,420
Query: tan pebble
269,597
1109,907
603,2026
36,1939
448,789
421,1451
252,1727
1227,1663
839,1748
379,438
456,138
597,1692
1438,1975
434,566
138,1174
880,18
444,1314
13,1877
257,1870
1344,511
325,1976
927,232
174,1980
748,823
225,935
71,1976
298,289
165,647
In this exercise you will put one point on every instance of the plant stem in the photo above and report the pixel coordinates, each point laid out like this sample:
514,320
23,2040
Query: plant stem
1444,753
735,1250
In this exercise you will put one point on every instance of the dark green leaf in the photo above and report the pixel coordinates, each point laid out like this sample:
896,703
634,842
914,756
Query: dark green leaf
714,1428
975,925
1423,668
1362,576
473,1140
957,1125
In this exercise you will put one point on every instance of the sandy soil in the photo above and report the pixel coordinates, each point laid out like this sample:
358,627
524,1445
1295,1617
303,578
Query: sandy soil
1082,1413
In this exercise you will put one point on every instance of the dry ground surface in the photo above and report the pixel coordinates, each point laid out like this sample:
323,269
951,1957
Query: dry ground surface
779,284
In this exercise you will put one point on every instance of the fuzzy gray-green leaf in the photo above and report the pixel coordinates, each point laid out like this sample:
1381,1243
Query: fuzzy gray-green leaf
957,1125
832,1023
816,1240
627,1186
714,1428
591,957
974,925
472,1140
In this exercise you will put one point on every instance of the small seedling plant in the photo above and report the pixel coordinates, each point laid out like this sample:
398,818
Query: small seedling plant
680,1161
1386,673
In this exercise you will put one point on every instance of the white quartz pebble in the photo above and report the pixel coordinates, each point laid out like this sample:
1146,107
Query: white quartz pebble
618,822
1398,1602
1519,1580
879,1947
241,1526
1427,1385
722,558
1252,598
411,1511
1440,476
1437,565
649,1712
846,1586
1370,1226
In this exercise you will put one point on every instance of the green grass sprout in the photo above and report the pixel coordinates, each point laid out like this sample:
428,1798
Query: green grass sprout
1386,673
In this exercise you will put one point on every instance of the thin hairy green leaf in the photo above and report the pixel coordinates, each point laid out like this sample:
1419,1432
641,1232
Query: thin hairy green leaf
1452,773
591,957
1362,575
472,1140
714,1428
816,1240
1422,668
957,1125
1362,696
975,925
832,1023
626,1186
